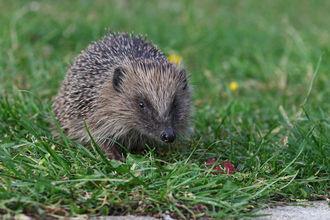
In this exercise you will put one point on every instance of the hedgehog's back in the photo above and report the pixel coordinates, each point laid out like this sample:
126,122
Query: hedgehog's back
114,48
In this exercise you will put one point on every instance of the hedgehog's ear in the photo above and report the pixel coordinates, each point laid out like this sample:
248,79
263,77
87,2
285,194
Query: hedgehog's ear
185,81
117,79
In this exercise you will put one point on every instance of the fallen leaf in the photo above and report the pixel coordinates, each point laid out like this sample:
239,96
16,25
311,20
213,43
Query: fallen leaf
228,167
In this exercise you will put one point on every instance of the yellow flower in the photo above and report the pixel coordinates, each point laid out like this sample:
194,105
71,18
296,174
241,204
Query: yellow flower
233,86
174,59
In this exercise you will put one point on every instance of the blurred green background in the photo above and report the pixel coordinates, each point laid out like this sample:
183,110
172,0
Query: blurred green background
270,48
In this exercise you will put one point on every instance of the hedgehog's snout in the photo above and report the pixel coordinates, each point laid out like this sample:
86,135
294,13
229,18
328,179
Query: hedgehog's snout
168,135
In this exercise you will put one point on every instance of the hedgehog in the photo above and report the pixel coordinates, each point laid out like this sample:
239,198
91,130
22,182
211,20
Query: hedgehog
127,92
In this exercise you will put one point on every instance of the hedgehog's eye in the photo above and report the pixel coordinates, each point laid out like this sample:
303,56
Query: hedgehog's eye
174,105
142,105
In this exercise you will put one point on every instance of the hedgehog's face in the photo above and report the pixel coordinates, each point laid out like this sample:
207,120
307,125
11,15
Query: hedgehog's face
156,99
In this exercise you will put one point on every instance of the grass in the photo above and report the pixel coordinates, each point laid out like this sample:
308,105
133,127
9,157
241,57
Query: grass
273,128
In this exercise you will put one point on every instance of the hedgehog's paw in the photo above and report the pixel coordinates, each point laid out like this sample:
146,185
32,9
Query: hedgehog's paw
114,154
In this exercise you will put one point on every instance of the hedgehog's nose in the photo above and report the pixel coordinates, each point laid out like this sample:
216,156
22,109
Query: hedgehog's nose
168,136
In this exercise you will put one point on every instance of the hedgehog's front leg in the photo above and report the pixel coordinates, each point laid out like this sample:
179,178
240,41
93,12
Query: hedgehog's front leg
116,155
112,150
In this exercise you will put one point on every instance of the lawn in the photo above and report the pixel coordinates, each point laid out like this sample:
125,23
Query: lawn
273,126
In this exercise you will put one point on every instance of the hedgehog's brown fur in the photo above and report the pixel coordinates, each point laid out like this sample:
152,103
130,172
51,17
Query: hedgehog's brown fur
127,91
